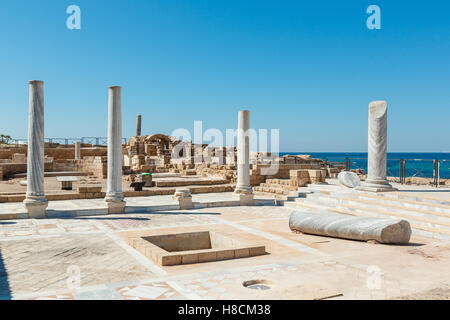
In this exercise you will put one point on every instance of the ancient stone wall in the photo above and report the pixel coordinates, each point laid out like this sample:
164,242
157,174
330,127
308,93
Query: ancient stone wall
9,169
95,165
55,153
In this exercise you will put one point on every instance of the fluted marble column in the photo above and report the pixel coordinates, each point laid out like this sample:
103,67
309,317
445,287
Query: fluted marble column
138,125
114,195
77,150
35,201
243,187
377,151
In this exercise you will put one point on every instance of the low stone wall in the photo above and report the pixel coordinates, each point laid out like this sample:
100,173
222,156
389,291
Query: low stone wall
60,153
9,169
98,195
65,165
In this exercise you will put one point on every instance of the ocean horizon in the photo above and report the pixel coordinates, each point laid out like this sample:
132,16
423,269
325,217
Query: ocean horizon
418,164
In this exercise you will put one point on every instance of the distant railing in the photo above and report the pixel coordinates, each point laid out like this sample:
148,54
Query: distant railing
435,169
97,141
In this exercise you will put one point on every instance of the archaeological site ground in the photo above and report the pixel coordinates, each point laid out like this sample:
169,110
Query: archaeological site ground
106,194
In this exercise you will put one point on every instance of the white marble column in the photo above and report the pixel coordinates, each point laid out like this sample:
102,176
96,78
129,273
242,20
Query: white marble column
243,187
77,150
35,201
138,125
377,151
114,195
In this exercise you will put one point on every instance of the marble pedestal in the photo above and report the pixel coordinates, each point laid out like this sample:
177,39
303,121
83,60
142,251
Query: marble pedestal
36,206
245,199
376,186
115,205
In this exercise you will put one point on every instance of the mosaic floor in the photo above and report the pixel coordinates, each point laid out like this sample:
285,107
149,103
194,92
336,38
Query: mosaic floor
88,258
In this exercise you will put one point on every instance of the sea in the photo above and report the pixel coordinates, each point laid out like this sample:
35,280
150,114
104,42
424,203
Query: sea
416,164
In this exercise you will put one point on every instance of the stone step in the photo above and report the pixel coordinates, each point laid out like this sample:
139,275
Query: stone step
287,198
424,199
406,203
419,228
419,223
278,186
397,207
284,182
273,190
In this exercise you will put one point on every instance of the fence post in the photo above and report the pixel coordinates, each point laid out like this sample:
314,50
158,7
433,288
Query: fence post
400,171
438,173
347,164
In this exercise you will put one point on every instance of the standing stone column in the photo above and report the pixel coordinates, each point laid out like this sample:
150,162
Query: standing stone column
77,150
114,196
138,125
243,187
35,201
377,152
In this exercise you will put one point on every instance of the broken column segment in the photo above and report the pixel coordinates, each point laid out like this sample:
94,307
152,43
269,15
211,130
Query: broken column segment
138,125
35,201
377,149
77,150
389,231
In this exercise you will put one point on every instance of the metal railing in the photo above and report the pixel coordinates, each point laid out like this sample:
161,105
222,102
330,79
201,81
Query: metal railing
403,169
97,141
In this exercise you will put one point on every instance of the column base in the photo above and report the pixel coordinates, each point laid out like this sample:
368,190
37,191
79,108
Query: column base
245,199
184,198
36,207
376,186
243,189
115,206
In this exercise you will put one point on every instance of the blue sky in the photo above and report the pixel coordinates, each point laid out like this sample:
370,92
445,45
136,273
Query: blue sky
308,68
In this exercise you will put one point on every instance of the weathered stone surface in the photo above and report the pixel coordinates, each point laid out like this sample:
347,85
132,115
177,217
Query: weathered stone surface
114,196
184,198
377,151
138,125
389,231
35,201
349,179
243,154
77,150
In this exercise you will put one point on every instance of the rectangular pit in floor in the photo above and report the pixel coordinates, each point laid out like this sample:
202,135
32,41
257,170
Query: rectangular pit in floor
193,247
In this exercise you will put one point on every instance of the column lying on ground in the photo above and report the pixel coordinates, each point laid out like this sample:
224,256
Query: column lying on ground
243,188
77,150
394,231
35,201
377,151
138,125
114,196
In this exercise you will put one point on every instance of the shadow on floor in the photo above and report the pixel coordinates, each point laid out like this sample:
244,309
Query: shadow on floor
178,212
5,292
107,218
428,191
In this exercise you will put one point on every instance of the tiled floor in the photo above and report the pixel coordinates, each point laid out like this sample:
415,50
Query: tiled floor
87,258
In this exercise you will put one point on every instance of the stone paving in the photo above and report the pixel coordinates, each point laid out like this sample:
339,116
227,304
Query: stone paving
87,258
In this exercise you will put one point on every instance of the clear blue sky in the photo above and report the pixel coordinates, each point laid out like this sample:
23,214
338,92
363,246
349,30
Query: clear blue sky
309,68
